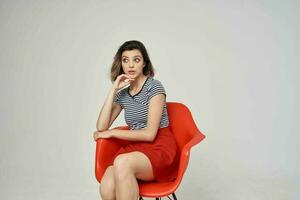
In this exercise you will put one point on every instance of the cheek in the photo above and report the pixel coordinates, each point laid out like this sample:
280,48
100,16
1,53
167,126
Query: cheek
124,64
141,66
123,67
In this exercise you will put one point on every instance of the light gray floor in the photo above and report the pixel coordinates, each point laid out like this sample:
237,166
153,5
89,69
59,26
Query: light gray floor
198,183
235,189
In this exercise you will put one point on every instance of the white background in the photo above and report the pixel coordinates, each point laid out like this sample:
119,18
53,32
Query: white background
234,63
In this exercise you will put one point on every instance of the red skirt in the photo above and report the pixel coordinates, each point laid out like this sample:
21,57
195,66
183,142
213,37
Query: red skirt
162,152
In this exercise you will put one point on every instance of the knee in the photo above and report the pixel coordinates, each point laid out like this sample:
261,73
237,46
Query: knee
122,166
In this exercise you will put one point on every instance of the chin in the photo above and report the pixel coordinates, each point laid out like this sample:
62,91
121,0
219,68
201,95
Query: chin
131,76
134,75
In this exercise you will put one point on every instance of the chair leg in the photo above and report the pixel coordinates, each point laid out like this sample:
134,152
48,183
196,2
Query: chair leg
174,196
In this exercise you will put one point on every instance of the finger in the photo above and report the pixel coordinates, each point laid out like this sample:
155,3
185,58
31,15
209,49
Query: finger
126,75
128,80
123,76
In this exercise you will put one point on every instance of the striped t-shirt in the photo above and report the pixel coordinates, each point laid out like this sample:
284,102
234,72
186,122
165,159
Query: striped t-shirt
136,107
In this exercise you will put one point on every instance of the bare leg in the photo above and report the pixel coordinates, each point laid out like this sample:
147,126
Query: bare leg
107,186
127,168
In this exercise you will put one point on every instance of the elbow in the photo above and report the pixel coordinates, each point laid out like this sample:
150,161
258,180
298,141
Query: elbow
101,128
150,136
150,139
102,125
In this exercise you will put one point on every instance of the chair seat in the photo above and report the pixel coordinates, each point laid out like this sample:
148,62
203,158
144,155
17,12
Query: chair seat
155,189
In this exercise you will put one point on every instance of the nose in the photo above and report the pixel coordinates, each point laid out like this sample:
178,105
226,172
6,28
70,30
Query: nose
131,64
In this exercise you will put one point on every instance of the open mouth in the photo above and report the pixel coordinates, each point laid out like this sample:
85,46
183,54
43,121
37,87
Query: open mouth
131,72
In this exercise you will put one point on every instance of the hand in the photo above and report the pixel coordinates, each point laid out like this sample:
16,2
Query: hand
122,81
102,134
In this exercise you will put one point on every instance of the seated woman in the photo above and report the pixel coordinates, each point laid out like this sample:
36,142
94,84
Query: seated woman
152,151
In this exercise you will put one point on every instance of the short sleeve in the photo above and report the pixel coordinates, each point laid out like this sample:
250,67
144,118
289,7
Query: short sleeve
156,88
117,98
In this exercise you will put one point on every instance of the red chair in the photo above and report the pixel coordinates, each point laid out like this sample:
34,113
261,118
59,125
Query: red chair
186,134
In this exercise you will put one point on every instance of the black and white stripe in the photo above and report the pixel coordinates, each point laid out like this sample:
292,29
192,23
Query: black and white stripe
136,107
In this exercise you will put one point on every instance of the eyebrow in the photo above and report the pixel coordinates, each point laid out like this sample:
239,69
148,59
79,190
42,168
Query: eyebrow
133,56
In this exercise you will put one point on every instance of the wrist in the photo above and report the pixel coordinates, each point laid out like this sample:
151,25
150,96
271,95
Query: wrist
114,89
112,133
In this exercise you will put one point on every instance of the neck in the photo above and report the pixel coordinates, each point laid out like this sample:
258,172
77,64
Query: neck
138,82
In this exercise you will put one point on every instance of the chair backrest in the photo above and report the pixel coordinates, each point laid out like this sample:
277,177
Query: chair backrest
182,123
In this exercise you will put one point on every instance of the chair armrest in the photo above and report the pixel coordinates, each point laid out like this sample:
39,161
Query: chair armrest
185,154
105,151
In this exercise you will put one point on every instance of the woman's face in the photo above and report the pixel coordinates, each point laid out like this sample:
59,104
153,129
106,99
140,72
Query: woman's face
132,63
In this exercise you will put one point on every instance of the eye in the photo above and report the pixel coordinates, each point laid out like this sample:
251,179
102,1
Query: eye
125,60
137,60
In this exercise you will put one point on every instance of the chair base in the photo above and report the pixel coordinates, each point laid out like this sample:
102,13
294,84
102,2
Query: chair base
159,198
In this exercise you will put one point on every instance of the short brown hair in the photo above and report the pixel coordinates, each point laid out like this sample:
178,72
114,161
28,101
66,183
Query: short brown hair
116,68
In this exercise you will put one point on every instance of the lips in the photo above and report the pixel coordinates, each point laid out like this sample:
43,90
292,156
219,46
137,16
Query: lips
131,72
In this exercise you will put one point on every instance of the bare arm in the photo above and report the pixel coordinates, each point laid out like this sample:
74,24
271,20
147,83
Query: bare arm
147,134
111,110
115,113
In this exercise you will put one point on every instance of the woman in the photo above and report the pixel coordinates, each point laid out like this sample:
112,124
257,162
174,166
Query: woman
152,151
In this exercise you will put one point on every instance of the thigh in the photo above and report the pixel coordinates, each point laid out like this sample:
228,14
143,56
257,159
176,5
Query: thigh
141,165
